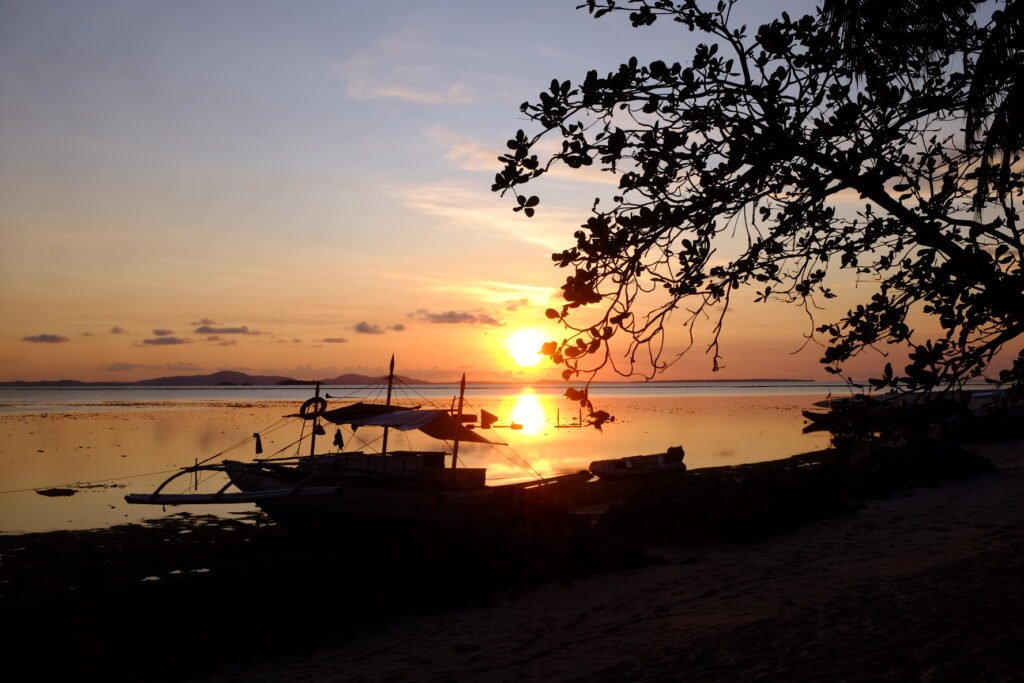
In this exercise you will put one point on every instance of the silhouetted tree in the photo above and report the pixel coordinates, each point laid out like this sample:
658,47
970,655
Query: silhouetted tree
913,107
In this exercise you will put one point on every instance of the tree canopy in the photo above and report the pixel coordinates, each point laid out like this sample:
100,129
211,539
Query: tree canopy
913,109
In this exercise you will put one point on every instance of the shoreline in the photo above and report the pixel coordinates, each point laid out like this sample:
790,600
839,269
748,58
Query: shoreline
925,584
863,594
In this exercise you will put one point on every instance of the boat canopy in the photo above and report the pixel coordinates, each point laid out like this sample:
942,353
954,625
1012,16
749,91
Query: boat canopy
436,423
353,413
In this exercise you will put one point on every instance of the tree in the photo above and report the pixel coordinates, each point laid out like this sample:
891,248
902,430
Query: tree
758,134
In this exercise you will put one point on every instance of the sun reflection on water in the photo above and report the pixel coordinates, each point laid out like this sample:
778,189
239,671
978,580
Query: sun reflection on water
529,413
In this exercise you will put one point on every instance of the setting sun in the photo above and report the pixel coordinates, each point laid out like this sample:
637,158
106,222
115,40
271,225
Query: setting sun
524,347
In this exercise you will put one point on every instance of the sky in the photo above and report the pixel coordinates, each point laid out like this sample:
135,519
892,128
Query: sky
302,188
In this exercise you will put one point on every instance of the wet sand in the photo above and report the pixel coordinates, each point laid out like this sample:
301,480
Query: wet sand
925,585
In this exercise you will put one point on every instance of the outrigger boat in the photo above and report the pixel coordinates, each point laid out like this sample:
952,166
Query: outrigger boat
370,490
636,467
874,410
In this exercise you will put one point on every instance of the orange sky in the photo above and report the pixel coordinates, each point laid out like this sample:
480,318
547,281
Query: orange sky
185,188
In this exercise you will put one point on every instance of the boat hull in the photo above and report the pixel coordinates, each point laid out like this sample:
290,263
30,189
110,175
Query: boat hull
373,503
641,467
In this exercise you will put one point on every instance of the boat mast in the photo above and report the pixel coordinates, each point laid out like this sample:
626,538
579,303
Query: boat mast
316,421
458,422
391,382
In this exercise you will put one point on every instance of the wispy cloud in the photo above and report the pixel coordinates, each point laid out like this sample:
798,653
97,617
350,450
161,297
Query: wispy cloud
335,340
163,332
492,292
516,304
456,317
398,327
465,210
117,329
45,339
465,153
404,67
468,154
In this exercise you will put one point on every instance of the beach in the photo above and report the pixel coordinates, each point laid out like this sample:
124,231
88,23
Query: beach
802,568
927,584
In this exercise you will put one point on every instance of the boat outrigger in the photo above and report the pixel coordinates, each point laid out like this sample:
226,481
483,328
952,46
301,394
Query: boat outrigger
368,489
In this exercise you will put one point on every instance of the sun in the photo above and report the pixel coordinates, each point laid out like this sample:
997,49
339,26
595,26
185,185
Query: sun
524,347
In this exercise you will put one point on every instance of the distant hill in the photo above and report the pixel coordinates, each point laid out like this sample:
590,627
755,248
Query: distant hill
222,378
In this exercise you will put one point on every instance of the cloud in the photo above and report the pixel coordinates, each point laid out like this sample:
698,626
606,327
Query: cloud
117,329
393,71
367,328
182,367
455,318
163,332
129,367
45,339
335,340
468,154
464,210
210,329
165,341
398,327
410,64
204,321
88,334
464,153
124,367
516,304
492,292
220,341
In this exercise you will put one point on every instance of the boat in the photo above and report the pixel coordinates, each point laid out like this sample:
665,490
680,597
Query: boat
395,489
657,465
871,411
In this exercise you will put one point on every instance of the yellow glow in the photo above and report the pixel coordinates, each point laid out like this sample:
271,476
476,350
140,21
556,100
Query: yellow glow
528,412
524,347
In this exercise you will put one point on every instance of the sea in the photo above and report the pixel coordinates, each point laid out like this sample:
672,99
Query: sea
102,443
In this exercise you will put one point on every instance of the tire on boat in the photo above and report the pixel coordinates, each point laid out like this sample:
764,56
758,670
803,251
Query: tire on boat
313,408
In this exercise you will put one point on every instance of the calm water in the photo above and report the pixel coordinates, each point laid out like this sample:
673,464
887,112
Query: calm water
131,439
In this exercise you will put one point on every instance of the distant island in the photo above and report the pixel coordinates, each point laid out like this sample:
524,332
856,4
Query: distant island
222,378
234,378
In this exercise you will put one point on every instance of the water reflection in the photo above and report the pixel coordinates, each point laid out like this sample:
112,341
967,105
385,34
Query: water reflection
46,449
528,413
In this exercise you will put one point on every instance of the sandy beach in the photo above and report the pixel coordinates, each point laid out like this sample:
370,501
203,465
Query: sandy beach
925,585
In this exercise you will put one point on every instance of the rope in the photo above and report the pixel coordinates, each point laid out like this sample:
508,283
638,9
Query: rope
273,426
81,484
523,463
281,422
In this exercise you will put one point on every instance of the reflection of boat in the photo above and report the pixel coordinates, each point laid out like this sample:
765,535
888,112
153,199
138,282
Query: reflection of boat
669,463
387,489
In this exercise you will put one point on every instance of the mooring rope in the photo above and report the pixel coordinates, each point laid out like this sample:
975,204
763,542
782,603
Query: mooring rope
273,426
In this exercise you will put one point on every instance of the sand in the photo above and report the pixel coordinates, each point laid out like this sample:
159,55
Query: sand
925,585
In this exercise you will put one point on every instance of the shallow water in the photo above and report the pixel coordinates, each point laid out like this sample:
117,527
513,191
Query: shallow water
126,441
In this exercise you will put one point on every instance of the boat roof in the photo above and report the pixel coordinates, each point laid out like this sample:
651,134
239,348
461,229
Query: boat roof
436,423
